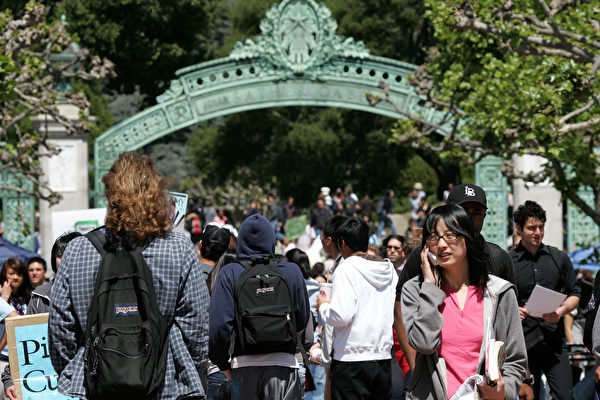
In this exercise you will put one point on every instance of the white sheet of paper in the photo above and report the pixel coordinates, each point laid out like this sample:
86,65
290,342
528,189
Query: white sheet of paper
543,301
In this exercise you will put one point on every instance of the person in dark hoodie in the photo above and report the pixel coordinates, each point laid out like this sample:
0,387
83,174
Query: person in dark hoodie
259,376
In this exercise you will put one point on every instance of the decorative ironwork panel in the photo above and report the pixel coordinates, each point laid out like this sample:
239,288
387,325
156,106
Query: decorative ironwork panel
17,210
180,113
19,220
490,178
130,134
581,229
298,37
9,178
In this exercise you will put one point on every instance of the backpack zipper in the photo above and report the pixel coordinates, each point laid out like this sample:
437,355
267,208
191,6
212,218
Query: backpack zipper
143,353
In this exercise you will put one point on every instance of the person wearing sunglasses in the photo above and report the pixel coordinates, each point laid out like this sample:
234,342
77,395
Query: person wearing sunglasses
392,246
455,308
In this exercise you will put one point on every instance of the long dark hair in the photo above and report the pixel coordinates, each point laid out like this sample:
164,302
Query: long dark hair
59,247
299,258
458,221
228,257
19,267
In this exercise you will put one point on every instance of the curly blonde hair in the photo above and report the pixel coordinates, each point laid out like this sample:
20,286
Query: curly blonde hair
137,198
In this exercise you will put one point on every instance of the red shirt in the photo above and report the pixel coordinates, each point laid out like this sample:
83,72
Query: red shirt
402,361
462,335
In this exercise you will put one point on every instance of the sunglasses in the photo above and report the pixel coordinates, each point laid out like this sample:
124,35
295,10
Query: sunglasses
393,247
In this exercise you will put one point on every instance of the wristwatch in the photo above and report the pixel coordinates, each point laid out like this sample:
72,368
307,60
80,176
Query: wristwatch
529,380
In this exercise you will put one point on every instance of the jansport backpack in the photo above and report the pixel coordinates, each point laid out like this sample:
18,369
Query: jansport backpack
126,335
265,320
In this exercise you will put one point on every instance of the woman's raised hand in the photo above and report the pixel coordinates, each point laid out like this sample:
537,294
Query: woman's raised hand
430,272
5,290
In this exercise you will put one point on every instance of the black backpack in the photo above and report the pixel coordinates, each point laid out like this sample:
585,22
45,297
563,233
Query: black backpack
265,319
126,335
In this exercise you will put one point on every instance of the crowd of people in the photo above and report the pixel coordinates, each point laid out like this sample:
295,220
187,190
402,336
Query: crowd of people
343,311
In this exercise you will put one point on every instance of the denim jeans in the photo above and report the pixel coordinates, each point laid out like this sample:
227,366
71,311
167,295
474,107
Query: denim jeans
319,375
218,387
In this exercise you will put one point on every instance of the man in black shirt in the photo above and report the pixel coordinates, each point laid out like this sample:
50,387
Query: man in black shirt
539,264
472,198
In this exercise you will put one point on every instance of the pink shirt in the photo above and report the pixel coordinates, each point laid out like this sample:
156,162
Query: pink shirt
462,334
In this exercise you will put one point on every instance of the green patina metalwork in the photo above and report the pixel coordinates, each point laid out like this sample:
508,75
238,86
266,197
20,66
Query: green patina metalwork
298,60
489,176
17,210
581,229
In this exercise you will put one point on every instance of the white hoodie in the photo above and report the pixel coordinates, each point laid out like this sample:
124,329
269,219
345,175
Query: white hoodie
362,309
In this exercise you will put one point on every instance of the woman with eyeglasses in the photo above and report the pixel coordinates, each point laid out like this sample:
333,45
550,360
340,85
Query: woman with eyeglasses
455,308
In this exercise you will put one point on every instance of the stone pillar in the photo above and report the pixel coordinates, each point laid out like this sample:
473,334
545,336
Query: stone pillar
66,173
544,194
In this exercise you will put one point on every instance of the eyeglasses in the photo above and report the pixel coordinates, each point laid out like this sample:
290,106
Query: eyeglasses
448,237
393,247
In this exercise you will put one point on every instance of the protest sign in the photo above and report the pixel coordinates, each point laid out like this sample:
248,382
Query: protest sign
30,366
179,202
295,227
81,221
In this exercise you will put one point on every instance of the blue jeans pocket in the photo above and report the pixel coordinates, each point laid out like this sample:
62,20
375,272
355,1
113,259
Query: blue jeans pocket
218,387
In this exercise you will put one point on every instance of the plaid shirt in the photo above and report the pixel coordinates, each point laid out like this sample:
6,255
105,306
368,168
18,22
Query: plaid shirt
182,299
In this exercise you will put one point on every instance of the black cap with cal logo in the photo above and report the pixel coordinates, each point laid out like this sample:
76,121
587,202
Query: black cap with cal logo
467,192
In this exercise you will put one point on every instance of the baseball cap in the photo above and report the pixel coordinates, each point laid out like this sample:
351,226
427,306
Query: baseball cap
418,186
215,234
467,192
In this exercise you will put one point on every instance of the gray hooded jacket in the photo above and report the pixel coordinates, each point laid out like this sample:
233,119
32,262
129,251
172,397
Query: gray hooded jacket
423,325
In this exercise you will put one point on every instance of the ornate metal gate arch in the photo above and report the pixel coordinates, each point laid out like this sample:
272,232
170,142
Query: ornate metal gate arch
298,60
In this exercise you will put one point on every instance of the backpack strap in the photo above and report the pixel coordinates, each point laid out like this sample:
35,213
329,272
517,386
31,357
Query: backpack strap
98,239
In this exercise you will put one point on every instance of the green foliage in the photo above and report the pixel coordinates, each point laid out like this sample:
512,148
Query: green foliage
390,28
148,41
173,160
244,19
521,95
298,150
103,118
30,82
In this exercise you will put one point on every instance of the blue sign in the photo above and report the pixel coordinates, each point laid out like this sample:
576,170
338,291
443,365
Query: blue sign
38,378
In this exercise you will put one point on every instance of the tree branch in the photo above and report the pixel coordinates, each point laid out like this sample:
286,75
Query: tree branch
552,22
580,110
581,126
467,20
